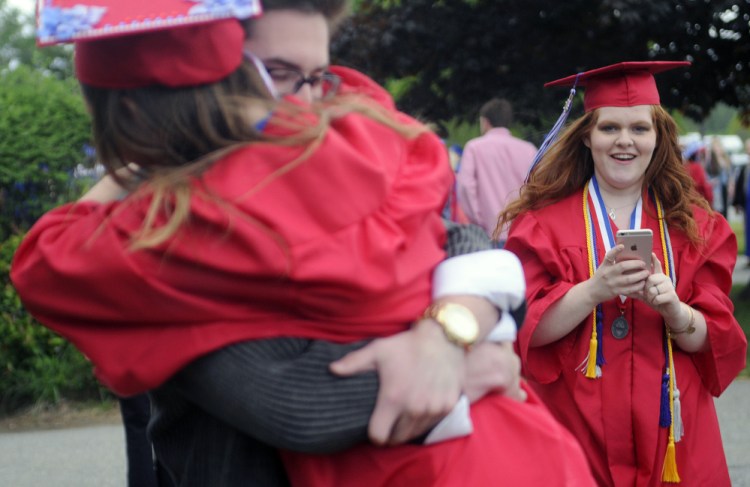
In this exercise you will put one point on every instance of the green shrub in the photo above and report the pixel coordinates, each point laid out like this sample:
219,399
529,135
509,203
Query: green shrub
36,365
44,131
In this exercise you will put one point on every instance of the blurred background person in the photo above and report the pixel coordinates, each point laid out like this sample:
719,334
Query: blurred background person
493,167
718,169
694,156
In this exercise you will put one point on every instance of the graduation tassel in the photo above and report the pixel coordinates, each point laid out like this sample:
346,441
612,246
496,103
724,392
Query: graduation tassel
669,472
665,418
591,362
679,429
553,133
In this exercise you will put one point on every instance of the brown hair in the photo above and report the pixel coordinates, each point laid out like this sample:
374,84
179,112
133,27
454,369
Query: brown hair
498,112
568,166
334,11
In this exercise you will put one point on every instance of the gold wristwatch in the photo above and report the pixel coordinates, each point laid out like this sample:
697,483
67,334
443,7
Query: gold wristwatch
457,321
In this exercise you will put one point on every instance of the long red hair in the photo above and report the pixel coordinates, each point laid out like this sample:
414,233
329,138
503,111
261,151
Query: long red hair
568,166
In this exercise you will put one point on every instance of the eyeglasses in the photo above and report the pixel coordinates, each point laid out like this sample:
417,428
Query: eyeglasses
289,81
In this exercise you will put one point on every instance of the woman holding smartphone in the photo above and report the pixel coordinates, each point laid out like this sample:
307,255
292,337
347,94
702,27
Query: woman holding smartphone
627,354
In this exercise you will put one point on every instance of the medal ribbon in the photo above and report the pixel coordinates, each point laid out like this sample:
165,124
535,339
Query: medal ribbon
605,227
592,364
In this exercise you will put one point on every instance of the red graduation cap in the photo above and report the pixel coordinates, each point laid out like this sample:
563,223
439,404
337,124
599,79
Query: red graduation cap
624,84
123,44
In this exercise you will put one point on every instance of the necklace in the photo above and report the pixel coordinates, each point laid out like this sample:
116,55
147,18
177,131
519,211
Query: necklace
611,211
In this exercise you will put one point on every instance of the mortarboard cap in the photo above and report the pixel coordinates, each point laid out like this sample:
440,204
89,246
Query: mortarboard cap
624,84
122,44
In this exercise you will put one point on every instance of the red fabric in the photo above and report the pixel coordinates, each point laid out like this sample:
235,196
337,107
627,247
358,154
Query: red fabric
340,248
160,57
615,417
513,444
701,182
358,83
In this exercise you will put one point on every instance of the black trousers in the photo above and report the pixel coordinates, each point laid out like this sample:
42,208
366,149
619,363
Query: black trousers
143,471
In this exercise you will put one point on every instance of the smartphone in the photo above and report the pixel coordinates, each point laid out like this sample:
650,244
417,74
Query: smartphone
638,244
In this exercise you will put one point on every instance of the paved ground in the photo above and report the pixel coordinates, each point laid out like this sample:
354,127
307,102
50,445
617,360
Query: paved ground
734,417
75,457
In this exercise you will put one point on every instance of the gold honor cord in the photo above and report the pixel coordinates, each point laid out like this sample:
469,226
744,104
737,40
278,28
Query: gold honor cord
669,470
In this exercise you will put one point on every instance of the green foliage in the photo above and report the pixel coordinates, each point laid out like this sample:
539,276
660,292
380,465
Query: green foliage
460,132
462,52
738,128
36,365
45,128
719,119
685,124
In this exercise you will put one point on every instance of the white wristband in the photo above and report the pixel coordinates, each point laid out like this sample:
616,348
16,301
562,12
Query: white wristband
493,274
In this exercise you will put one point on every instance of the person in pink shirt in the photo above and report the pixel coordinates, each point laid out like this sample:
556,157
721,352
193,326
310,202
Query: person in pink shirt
493,167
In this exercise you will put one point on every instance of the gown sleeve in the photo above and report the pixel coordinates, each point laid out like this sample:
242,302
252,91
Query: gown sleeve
549,275
704,282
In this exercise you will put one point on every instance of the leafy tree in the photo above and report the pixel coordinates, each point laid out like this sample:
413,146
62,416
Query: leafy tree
45,129
455,54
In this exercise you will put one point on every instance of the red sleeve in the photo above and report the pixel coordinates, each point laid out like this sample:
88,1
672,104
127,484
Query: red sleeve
355,82
549,276
704,282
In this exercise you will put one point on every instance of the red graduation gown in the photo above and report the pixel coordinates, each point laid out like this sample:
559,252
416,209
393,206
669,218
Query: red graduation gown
339,248
616,417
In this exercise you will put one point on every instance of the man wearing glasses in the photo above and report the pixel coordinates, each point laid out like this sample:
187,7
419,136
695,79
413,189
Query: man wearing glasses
294,50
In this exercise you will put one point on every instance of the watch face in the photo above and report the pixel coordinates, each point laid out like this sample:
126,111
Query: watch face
459,323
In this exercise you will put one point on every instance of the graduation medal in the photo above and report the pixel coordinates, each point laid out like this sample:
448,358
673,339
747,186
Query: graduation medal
620,327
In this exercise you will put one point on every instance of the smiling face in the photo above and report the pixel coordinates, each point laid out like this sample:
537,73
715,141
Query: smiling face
622,144
290,42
